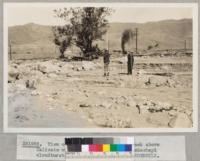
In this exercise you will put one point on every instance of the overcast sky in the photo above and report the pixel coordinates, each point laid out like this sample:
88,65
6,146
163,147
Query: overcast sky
45,16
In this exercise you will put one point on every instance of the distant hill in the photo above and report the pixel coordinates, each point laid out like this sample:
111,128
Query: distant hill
34,39
168,33
30,33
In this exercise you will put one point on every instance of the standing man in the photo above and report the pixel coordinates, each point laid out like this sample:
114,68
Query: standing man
129,63
106,61
132,61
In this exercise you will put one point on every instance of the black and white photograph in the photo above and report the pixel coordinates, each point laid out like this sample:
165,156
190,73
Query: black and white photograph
96,67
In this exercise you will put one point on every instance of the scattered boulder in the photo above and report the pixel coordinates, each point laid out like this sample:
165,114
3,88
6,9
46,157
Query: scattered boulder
20,87
21,118
30,84
172,113
171,83
87,65
48,67
106,104
35,93
13,75
52,75
141,72
55,93
121,100
188,112
158,119
35,74
115,122
42,69
77,68
152,107
160,107
131,103
142,108
65,67
180,121
158,81
148,82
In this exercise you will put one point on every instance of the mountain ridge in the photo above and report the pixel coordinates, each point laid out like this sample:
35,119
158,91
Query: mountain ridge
168,34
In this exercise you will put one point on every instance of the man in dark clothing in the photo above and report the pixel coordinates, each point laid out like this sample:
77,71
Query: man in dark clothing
130,63
106,61
132,60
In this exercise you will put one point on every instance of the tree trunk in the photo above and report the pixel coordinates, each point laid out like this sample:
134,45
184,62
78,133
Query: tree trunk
62,55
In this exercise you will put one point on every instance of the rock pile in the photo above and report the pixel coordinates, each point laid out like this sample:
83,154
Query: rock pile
117,122
152,107
158,81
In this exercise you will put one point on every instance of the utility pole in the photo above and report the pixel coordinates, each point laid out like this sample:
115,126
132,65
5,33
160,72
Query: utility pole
136,39
10,52
107,37
185,47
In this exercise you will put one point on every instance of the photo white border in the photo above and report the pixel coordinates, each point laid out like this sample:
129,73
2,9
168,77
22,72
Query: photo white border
194,6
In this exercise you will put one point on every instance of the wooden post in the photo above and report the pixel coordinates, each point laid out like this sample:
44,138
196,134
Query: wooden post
136,40
107,40
10,51
185,47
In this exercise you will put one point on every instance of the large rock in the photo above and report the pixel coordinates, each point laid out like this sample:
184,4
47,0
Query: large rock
48,67
158,119
21,118
66,67
143,107
87,65
13,75
171,83
181,121
31,84
151,106
161,106
35,93
156,81
106,104
52,75
131,102
141,72
114,122
35,74
77,68
121,100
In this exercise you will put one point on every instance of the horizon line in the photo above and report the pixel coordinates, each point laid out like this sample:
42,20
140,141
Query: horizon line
108,23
